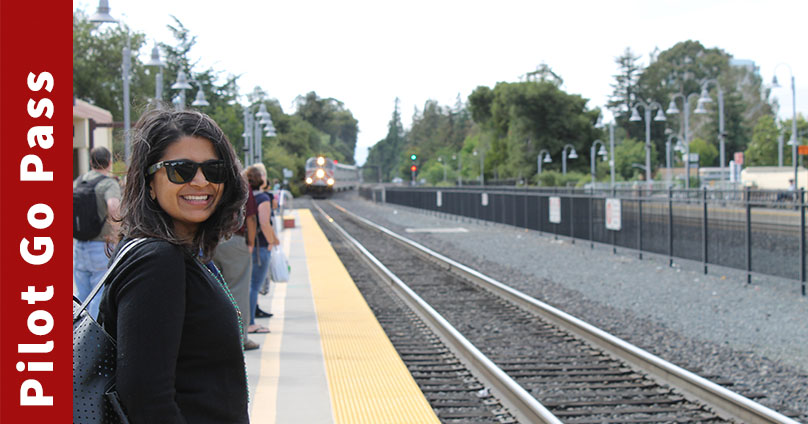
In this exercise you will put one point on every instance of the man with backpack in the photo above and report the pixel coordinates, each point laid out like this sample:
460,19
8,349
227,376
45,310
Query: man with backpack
96,200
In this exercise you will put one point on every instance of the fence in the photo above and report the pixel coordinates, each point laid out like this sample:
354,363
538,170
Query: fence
757,231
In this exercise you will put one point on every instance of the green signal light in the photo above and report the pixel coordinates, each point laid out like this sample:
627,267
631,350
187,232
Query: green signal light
413,157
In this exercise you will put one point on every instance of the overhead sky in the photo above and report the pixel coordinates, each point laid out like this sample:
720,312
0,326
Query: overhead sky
367,53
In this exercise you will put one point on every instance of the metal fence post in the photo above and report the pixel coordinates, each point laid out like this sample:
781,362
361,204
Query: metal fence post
802,239
525,196
572,218
639,222
670,226
748,236
704,228
614,245
591,203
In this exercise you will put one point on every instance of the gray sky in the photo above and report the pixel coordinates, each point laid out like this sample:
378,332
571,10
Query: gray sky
367,53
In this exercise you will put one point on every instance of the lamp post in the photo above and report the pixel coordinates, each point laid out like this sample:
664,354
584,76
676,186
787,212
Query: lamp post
459,158
572,155
673,110
181,84
705,98
482,166
443,165
200,100
611,146
793,141
101,16
158,84
669,147
602,153
543,156
253,152
635,116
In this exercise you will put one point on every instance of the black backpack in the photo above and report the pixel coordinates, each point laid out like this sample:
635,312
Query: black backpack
86,222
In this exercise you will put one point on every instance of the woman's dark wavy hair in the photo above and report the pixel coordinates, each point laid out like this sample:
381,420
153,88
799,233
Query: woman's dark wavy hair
143,217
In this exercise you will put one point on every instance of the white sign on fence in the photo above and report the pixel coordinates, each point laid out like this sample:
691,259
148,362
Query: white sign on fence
484,199
555,210
440,199
613,219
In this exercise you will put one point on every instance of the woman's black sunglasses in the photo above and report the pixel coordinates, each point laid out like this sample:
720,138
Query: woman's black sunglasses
182,171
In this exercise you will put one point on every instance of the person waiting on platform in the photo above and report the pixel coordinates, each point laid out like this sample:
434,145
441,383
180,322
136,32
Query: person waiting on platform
266,240
179,351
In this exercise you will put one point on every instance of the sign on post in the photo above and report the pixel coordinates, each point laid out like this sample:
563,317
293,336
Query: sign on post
613,215
439,199
484,199
555,210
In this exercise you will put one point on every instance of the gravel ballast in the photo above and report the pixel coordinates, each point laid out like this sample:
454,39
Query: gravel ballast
754,335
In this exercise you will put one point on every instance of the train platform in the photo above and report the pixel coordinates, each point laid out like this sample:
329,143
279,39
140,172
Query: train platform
327,359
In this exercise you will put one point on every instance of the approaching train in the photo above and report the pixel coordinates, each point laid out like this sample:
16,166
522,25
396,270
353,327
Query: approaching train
324,176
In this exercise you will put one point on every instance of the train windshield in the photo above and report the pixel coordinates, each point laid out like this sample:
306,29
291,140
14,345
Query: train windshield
327,163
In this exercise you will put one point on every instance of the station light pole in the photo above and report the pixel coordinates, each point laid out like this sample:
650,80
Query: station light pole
158,78
705,98
611,146
602,153
793,141
572,155
543,156
669,148
673,110
635,116
102,16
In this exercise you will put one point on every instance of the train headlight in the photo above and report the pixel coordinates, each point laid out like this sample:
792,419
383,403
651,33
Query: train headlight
309,180
321,161
320,173
330,181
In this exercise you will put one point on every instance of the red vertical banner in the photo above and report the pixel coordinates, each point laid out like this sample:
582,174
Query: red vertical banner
36,143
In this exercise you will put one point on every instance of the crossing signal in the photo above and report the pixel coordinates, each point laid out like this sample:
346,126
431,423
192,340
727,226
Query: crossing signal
413,168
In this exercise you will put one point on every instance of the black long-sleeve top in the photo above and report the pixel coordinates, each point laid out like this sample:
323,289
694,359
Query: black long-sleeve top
179,356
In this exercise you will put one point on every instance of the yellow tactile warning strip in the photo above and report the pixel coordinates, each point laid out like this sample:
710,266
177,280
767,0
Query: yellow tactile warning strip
369,382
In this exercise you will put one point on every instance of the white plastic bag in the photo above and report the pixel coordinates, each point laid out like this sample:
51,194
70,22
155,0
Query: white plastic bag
278,266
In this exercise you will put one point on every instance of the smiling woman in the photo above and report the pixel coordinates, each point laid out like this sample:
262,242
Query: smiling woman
178,329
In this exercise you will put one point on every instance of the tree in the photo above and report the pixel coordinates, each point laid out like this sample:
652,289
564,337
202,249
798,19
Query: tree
387,152
624,89
682,69
707,151
331,117
627,154
517,120
762,150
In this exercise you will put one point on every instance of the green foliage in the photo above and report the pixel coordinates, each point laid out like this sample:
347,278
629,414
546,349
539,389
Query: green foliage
331,117
802,129
707,151
557,179
384,157
631,152
762,150
526,117
624,89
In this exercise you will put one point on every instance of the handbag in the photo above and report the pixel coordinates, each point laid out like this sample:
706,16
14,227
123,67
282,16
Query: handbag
95,400
278,266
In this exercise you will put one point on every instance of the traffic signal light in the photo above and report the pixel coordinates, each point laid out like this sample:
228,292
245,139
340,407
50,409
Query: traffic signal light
413,168
413,157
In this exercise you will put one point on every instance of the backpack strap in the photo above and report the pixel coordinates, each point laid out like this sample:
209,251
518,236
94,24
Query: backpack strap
124,250
94,182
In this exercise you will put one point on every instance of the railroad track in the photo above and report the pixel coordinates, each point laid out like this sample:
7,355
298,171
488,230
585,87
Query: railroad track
540,363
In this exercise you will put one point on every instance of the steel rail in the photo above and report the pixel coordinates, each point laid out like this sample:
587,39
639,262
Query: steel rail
519,402
725,403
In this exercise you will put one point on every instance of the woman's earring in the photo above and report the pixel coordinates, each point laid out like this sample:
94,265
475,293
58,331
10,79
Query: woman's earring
151,194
